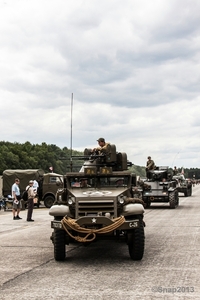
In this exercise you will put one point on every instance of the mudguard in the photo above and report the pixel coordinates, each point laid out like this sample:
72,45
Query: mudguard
133,209
59,211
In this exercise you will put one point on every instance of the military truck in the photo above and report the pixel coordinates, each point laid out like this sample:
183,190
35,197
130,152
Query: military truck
159,187
48,183
183,185
96,203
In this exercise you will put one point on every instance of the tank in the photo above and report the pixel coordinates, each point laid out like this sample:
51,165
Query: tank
159,186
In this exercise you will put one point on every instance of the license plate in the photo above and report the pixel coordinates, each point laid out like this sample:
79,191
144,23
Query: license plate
56,225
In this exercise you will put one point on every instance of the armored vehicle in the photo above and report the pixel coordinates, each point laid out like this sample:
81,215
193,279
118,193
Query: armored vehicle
96,203
183,185
159,187
48,183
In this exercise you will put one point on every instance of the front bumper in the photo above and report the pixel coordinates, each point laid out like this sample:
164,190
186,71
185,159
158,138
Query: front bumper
98,221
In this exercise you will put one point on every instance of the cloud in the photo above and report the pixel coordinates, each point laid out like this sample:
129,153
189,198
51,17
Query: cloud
133,69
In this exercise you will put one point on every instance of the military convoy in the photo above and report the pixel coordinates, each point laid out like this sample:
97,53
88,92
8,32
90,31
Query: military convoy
159,187
184,185
97,203
48,184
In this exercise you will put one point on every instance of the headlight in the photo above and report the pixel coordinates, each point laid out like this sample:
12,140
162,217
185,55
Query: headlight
71,200
59,195
121,199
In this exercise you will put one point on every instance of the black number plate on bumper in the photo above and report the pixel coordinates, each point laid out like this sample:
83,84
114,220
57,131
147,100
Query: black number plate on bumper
127,225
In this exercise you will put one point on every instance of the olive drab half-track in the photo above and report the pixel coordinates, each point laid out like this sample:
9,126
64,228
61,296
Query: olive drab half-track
97,203
159,187
183,185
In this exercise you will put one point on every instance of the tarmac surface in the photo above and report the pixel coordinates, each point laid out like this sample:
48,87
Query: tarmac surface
169,269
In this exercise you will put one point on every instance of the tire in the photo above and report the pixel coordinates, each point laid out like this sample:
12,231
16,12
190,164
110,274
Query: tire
59,245
48,201
148,204
173,199
136,242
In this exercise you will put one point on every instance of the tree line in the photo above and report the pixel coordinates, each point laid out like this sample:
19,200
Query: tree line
36,156
44,156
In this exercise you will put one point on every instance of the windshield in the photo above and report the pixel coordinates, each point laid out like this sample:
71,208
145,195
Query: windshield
55,179
98,182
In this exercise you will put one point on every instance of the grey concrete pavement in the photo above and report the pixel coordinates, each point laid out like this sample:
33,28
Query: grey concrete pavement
169,269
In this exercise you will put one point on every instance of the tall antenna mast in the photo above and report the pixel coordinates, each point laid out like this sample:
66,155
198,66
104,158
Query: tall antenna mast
71,130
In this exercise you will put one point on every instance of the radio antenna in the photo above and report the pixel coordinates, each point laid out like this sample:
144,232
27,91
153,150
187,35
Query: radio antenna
71,131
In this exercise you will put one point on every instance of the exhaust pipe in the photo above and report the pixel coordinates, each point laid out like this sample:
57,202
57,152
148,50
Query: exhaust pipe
151,198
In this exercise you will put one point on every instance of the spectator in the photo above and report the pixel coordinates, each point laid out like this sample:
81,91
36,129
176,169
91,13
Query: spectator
35,186
15,192
31,196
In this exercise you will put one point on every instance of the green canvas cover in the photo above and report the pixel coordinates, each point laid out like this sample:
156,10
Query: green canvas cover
24,177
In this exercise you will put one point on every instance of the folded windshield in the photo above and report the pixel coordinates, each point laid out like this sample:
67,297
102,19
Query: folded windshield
98,182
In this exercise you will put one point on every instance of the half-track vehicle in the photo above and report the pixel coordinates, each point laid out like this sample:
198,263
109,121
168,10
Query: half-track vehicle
159,187
96,203
183,185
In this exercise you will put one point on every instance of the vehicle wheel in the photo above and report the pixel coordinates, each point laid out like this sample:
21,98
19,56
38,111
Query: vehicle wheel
189,191
173,199
136,242
48,201
148,204
177,198
59,245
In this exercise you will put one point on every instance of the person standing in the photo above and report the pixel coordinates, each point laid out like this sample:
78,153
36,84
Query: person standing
35,186
150,165
31,196
15,192
175,171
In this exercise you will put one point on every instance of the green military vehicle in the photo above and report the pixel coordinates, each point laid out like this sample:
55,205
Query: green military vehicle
48,183
159,187
183,185
96,203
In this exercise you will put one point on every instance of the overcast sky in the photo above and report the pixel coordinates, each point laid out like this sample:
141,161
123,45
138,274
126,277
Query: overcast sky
133,67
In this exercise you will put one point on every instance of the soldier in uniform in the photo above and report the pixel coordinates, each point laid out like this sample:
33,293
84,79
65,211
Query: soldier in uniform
84,183
103,147
175,171
150,165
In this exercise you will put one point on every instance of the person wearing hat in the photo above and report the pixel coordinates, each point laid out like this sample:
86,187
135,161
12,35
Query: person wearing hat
119,181
31,196
84,183
175,171
150,165
103,146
